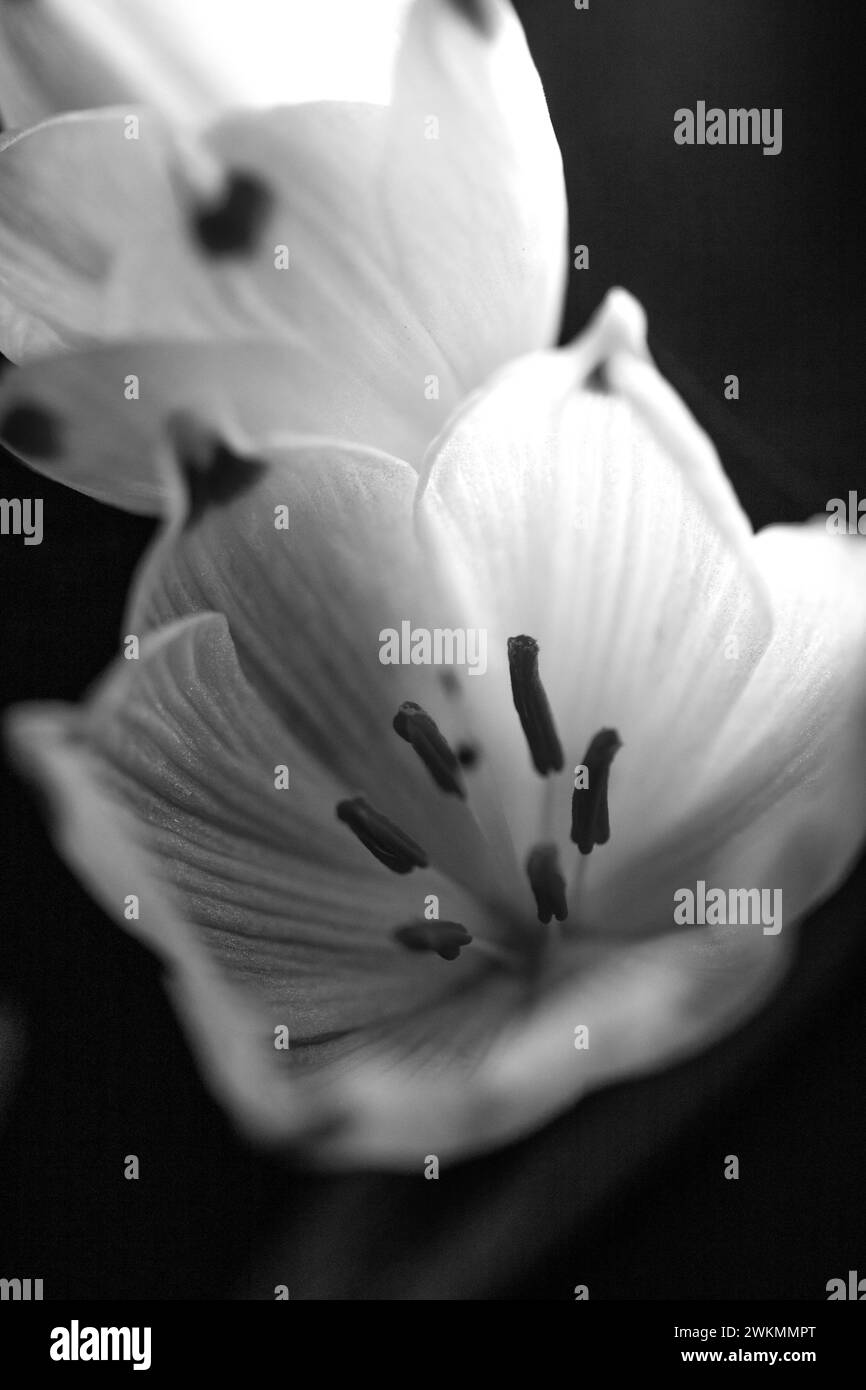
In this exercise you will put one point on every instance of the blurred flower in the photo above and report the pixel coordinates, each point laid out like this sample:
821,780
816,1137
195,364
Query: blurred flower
368,858
191,60
323,269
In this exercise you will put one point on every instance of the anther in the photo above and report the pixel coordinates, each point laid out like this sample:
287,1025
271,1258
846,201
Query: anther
384,839
213,474
414,725
547,883
532,705
445,938
230,226
590,821
468,754
478,13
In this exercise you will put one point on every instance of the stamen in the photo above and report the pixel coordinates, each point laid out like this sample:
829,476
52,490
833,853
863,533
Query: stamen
414,725
385,840
231,225
28,429
445,938
547,883
532,705
590,821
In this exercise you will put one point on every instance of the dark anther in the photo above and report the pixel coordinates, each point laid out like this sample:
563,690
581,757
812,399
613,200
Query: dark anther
414,725
590,822
381,836
478,13
547,883
532,705
597,380
28,429
214,476
468,754
230,226
445,938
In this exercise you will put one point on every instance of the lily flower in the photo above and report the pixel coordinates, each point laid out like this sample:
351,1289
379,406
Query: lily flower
415,909
329,268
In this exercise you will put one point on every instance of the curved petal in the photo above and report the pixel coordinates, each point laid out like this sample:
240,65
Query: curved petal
100,419
191,60
102,842
473,183
257,895
644,1006
783,805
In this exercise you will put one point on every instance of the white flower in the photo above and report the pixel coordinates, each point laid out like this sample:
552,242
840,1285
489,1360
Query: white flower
729,666
326,269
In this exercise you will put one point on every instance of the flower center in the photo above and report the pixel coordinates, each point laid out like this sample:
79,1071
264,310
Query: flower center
590,818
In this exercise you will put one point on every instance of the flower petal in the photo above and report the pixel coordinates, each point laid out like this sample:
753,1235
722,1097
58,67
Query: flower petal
192,60
644,1006
95,235
782,803
164,787
102,842
473,181
110,443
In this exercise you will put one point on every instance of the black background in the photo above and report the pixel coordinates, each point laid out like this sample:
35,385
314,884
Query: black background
746,264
